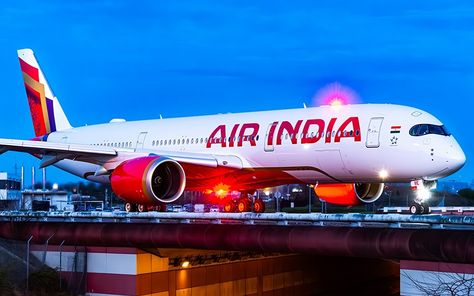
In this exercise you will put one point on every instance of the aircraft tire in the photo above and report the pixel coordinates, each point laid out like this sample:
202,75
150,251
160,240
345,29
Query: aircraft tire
142,208
243,205
229,207
259,206
129,207
415,209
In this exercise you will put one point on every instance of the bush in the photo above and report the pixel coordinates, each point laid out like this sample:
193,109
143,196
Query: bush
45,282
6,287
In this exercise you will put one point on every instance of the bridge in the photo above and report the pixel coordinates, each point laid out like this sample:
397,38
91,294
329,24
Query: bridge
446,238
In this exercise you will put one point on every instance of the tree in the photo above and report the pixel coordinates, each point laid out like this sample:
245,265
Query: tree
467,193
440,283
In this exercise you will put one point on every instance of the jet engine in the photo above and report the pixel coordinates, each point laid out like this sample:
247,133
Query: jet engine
148,180
349,194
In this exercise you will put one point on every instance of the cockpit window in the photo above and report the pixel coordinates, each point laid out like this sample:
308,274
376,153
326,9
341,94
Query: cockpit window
426,129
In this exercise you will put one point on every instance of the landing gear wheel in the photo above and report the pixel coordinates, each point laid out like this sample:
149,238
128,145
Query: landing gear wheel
129,207
243,205
417,209
160,208
229,207
142,208
421,210
426,208
259,206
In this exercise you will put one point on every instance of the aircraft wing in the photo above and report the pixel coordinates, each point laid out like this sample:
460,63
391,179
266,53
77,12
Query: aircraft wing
109,157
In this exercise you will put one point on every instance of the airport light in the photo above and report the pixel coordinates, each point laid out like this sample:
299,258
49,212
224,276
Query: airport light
185,264
383,174
423,194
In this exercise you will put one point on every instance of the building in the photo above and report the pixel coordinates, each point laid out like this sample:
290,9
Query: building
10,195
45,200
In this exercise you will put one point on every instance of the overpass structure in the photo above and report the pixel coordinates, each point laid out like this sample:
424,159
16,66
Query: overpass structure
441,238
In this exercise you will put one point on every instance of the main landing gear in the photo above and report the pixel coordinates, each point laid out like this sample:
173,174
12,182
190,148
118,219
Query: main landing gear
246,203
130,207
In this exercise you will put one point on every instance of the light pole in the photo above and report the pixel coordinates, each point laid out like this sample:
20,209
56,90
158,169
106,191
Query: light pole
28,261
46,248
60,263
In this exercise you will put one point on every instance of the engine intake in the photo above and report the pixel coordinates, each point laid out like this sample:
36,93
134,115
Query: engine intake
148,180
350,194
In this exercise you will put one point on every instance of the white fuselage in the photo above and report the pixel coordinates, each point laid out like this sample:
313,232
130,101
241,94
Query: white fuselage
351,153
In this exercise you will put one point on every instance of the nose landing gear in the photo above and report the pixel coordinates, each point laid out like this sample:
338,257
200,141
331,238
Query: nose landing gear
422,194
419,208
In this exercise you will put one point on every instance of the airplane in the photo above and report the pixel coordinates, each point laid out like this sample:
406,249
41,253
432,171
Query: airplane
346,152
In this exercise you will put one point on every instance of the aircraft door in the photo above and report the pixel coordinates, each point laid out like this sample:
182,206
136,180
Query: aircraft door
373,133
269,137
140,140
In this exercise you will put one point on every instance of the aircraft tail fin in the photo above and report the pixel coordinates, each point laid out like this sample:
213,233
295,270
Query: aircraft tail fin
46,112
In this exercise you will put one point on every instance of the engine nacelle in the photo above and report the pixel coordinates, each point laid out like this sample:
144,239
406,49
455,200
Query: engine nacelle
349,194
148,180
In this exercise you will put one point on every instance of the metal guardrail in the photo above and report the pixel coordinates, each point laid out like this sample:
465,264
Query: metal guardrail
432,221
432,210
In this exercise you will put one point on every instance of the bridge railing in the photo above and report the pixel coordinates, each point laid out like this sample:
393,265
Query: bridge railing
437,221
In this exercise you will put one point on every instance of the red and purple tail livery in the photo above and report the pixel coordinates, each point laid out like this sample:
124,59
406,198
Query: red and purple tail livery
46,112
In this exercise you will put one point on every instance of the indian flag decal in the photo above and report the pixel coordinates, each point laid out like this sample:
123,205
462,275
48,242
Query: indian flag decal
395,129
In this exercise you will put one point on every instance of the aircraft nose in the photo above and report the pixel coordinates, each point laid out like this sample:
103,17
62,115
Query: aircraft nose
457,157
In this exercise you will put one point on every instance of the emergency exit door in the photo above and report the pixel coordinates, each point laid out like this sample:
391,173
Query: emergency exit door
373,133
140,141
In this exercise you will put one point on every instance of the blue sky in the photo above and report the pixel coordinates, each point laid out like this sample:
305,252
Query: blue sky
140,59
